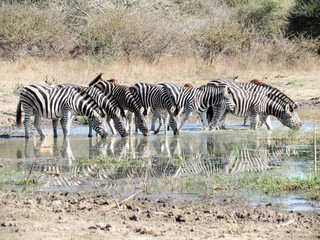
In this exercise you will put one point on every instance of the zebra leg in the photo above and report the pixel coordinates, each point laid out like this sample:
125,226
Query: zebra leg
221,122
267,121
110,122
37,125
90,127
54,126
153,123
137,124
186,116
66,121
26,123
157,113
219,115
204,120
165,122
254,120
130,119
245,121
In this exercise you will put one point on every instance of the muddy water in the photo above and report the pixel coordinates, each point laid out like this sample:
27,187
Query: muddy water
184,166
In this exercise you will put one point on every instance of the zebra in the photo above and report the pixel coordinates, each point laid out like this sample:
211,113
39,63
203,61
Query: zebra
157,99
107,105
125,100
57,103
258,104
190,100
156,116
275,94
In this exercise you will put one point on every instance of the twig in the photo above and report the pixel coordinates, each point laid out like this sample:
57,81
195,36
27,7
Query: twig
31,169
117,204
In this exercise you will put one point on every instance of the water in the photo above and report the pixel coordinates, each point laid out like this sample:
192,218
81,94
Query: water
184,166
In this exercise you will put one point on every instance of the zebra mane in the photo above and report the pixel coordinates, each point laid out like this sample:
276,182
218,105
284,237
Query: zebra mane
258,82
282,95
94,81
189,85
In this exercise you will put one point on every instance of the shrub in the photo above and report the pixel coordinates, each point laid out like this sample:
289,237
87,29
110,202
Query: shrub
100,37
148,35
29,30
304,18
267,17
224,37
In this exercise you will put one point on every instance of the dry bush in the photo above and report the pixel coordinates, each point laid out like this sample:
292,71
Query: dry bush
148,35
26,30
247,31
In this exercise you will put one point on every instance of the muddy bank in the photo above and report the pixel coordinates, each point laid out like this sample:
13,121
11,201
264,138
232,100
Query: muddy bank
26,215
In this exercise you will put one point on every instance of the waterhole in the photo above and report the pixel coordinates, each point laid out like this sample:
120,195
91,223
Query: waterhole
194,164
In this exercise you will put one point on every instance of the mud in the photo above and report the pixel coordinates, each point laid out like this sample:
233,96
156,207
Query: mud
64,215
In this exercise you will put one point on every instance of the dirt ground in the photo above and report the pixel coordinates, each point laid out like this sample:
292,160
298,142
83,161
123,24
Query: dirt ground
33,215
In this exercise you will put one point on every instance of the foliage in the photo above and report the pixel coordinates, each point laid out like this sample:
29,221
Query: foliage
219,38
304,18
267,17
250,30
27,29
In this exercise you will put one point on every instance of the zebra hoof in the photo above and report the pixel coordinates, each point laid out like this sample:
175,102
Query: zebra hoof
125,135
146,134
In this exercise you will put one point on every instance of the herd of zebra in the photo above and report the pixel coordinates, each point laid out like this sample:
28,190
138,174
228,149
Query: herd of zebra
121,106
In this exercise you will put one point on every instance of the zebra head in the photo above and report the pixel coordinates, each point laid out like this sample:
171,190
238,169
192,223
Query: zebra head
141,121
98,126
228,100
174,123
120,124
290,117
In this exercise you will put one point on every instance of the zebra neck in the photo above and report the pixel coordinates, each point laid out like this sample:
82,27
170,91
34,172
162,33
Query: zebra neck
274,108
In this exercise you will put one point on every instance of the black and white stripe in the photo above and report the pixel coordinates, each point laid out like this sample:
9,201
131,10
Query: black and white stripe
107,104
258,104
190,100
125,100
158,100
272,93
55,103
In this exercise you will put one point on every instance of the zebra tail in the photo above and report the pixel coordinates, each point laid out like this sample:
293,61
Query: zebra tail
18,116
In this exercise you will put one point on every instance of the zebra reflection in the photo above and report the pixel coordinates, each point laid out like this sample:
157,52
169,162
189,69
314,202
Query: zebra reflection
137,159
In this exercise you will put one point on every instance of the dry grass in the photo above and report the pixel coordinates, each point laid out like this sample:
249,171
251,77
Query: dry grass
28,71
299,84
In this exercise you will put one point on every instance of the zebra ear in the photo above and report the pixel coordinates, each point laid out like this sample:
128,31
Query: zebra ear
288,108
141,110
295,105
228,90
118,112
94,81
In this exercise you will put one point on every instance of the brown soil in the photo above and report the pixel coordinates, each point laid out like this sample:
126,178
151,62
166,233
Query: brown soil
31,215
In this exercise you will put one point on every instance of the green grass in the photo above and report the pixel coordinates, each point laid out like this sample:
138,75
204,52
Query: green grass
295,84
271,184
